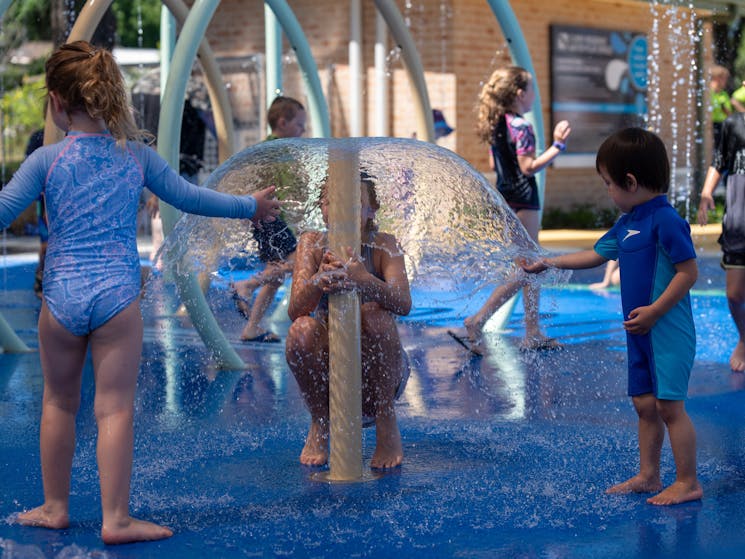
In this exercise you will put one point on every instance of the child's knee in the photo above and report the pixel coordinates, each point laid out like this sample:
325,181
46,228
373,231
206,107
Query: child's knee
303,336
646,406
670,410
736,295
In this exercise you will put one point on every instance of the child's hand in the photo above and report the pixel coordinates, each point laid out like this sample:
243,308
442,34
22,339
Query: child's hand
704,207
332,275
532,267
562,131
640,321
267,206
153,209
356,268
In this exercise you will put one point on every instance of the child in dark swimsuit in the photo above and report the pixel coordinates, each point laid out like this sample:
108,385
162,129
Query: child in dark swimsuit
504,98
276,241
379,277
729,161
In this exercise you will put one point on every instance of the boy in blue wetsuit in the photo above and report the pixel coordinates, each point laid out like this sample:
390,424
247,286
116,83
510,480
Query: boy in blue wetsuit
658,267
92,181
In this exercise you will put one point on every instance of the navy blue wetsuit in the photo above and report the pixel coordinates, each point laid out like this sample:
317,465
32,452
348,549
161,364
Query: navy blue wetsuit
648,242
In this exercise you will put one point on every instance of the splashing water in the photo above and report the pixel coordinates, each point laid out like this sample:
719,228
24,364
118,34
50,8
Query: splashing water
675,106
456,232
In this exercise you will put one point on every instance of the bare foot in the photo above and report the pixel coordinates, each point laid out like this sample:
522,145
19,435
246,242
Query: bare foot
737,359
133,530
45,516
676,493
474,333
636,484
539,343
316,449
389,452
475,337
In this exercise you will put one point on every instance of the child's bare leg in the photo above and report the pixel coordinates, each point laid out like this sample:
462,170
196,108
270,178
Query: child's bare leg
316,449
531,302
62,355
651,436
382,357
683,442
736,301
389,451
264,298
475,323
531,220
245,288
307,356
115,350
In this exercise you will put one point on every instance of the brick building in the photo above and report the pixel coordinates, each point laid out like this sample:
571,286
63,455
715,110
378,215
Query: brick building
460,43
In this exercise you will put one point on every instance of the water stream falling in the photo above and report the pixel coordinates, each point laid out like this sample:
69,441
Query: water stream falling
457,234
675,101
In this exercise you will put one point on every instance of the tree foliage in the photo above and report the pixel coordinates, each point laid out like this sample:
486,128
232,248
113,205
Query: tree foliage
22,94
23,112
133,18
137,21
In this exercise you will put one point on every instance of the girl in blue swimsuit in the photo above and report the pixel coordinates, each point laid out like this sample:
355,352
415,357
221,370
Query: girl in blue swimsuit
92,181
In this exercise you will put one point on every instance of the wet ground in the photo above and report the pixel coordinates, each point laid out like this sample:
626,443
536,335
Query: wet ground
506,456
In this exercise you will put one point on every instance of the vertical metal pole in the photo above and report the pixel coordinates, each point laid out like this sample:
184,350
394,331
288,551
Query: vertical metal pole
355,68
318,111
345,369
382,127
421,105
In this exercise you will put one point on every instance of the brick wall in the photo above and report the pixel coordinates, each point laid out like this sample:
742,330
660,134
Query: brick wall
460,43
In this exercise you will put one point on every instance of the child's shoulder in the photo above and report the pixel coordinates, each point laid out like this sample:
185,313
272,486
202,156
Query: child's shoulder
515,120
666,211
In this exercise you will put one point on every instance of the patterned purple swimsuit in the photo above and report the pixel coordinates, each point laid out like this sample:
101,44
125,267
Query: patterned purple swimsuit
92,189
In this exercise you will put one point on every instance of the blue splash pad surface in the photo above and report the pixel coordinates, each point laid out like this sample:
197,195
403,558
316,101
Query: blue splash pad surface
505,456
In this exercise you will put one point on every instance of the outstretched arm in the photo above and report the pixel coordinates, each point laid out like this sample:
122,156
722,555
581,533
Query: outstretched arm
166,184
570,261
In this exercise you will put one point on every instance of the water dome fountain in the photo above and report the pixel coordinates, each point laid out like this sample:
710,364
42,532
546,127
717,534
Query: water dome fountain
506,456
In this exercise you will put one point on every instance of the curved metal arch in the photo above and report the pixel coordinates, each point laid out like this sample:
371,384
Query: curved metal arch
169,131
193,29
392,17
219,100
521,57
319,114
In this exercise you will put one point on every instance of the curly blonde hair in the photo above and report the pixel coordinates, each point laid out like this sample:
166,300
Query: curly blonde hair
497,97
87,78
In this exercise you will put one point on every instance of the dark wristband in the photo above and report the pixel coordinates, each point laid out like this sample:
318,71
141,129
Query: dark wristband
561,146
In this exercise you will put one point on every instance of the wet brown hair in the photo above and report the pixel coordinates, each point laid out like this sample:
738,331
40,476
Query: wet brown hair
497,97
283,107
638,152
87,78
